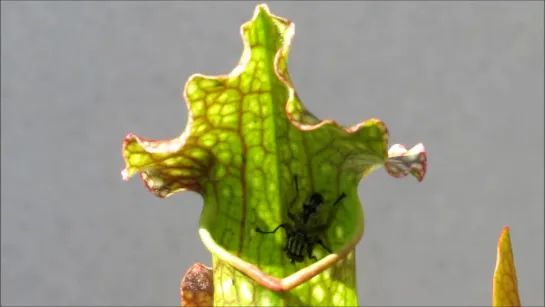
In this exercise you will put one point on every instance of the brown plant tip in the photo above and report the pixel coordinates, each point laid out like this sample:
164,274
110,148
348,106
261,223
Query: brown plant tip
197,287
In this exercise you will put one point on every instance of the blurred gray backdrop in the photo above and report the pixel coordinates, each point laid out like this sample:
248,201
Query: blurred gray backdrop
466,78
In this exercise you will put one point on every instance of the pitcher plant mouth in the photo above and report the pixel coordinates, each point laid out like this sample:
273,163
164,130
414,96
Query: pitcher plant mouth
247,136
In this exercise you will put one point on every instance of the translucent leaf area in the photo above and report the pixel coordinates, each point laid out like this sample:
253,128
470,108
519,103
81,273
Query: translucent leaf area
248,136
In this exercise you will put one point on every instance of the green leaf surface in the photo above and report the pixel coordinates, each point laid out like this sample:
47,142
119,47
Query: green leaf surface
247,135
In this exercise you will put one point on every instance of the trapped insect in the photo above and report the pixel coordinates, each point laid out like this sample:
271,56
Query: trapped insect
301,237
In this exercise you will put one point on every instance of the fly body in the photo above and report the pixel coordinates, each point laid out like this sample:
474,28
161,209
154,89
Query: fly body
296,247
300,236
311,206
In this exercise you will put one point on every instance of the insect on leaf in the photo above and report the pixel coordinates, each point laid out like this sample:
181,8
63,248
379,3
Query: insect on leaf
247,135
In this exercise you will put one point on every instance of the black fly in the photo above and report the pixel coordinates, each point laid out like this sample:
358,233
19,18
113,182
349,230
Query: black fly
301,238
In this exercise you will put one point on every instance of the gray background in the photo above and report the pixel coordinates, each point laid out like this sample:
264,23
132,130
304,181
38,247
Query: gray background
464,78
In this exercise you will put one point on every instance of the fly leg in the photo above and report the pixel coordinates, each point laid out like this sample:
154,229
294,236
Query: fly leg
343,195
309,252
332,216
273,231
296,191
290,215
319,241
